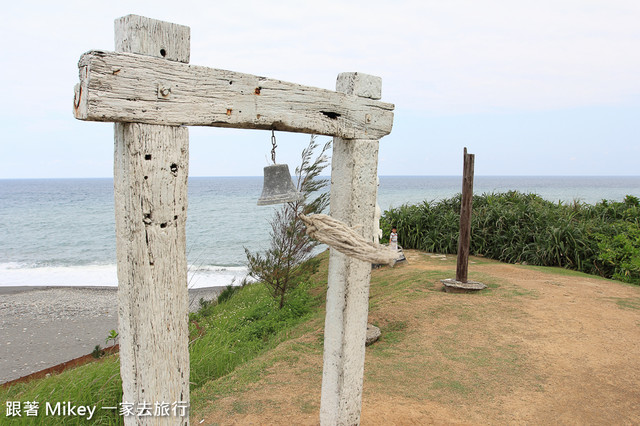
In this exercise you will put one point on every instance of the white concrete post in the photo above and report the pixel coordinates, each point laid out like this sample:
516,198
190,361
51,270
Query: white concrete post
354,169
150,181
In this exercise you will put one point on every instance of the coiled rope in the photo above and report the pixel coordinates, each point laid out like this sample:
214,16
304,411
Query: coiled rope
339,236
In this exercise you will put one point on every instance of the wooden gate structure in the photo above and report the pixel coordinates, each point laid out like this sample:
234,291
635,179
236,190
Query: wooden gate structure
148,89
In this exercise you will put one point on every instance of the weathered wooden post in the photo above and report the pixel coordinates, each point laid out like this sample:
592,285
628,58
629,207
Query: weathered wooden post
461,284
464,240
150,182
353,198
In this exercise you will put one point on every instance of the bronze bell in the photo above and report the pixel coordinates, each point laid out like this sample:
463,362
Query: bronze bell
277,186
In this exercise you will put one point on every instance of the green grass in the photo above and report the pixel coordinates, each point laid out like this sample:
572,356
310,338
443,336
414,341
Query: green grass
248,323
451,385
627,302
227,335
555,270
97,384
392,333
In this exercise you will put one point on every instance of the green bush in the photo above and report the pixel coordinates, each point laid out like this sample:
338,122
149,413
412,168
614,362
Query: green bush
524,228
622,254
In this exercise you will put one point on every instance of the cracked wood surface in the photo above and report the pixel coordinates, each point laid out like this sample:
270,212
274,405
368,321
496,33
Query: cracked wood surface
151,165
125,87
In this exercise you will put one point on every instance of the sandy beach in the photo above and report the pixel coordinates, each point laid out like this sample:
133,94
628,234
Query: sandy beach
44,326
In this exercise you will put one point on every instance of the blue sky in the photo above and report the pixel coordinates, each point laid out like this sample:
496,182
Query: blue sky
531,88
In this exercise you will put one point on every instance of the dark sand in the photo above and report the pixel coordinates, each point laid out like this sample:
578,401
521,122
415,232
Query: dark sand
44,326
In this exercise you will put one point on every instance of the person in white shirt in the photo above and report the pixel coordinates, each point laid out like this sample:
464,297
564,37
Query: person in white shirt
393,239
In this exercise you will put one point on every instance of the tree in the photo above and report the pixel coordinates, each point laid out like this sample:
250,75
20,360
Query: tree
280,265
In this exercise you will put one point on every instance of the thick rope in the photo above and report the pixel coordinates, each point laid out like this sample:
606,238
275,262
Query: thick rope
339,236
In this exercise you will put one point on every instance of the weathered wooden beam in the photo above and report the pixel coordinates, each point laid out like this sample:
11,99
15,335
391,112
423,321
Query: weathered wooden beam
124,87
150,185
354,190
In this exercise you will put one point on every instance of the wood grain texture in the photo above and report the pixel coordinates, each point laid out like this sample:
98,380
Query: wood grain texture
133,88
464,239
354,188
151,165
166,40
150,180
359,84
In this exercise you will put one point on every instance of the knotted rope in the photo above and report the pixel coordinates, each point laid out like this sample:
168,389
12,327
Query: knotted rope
339,236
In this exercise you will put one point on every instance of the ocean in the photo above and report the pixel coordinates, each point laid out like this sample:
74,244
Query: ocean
61,232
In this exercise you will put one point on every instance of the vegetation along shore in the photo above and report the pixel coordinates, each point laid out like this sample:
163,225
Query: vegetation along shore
513,227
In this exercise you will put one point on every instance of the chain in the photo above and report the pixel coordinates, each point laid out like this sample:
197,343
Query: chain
273,143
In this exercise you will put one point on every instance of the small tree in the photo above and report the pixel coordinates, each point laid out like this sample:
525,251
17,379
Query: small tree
279,266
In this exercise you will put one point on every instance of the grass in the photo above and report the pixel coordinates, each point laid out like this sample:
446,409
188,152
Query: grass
556,270
627,302
248,323
223,336
97,384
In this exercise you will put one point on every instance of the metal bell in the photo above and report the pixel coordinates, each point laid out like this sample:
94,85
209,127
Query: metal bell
277,186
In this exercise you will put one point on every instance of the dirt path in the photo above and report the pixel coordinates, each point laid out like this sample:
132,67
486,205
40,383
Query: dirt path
538,346
582,338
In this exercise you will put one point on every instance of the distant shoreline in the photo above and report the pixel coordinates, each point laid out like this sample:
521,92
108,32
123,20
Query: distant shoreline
43,326
25,288
328,176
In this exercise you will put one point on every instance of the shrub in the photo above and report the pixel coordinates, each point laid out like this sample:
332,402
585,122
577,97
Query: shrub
622,254
516,227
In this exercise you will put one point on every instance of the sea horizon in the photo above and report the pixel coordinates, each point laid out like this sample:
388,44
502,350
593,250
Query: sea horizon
61,231
328,176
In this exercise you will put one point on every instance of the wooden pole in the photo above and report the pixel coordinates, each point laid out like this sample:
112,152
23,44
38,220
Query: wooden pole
150,182
353,199
464,239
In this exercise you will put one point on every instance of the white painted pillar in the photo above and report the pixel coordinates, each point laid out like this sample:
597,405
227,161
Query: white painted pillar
354,168
150,181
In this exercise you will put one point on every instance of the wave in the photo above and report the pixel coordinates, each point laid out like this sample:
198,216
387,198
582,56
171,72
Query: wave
20,274
216,268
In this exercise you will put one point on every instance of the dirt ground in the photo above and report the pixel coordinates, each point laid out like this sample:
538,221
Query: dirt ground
538,346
